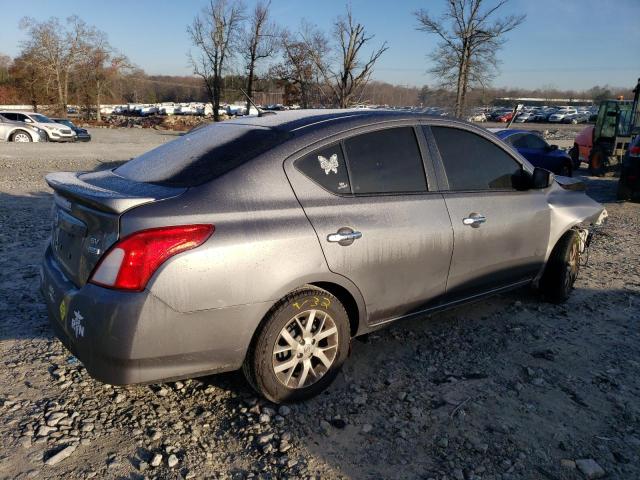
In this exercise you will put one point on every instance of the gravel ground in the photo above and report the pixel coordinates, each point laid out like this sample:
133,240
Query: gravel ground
509,388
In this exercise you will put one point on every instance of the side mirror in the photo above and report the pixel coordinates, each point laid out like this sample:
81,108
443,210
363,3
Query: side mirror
521,180
28,120
541,178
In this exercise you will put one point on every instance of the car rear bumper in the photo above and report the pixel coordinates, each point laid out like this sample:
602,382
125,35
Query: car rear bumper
123,338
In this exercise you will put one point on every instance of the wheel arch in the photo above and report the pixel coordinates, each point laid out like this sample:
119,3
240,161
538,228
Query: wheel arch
17,131
348,301
340,287
349,296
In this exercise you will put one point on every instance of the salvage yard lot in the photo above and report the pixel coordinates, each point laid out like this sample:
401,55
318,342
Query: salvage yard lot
509,388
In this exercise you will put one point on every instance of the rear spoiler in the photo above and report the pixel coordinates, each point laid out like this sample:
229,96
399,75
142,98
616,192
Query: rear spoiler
106,191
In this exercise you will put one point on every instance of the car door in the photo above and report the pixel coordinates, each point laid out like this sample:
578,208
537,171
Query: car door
500,234
376,218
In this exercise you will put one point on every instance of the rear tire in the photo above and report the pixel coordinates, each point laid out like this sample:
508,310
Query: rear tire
21,136
290,359
562,269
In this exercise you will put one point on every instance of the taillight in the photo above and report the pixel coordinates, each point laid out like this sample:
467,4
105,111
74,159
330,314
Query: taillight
130,263
634,151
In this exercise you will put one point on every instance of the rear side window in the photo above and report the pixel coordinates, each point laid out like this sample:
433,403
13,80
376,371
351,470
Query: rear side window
202,155
472,162
326,167
10,116
385,161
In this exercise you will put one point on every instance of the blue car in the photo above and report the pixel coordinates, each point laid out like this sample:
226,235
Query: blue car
539,153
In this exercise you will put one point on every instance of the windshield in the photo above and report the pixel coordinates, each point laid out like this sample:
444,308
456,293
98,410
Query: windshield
40,118
201,155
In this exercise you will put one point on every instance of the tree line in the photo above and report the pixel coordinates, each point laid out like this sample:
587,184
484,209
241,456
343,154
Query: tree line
240,54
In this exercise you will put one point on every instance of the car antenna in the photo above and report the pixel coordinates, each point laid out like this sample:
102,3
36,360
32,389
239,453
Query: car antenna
261,112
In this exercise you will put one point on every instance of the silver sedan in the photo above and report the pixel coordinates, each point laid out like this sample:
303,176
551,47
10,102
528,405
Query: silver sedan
268,243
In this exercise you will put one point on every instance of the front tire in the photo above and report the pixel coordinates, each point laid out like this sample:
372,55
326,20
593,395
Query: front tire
574,153
562,269
300,346
597,162
20,136
623,192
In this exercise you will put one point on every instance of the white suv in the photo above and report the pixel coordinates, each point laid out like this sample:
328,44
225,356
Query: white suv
11,131
559,115
56,132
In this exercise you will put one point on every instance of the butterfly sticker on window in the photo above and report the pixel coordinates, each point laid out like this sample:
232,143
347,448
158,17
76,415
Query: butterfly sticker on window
330,164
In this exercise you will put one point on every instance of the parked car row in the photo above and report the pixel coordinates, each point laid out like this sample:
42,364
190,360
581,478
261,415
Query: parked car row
563,114
24,127
198,109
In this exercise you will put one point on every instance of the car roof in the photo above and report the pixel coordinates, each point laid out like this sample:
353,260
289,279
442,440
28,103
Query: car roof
303,121
508,132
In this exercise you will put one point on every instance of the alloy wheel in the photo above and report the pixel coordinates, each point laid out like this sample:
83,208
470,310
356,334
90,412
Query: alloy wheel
305,349
573,266
21,138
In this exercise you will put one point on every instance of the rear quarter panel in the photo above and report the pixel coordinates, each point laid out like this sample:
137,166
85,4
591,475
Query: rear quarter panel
263,245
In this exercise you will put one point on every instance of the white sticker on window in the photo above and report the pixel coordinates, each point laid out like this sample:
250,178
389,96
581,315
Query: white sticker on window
330,165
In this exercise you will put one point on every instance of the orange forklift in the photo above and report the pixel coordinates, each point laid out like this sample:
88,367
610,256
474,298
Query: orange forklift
604,144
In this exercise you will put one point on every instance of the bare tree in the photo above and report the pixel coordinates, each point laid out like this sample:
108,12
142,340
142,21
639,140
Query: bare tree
298,69
469,39
215,33
5,64
56,50
259,42
31,81
98,68
346,77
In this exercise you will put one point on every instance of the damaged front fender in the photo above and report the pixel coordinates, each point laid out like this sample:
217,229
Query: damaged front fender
570,209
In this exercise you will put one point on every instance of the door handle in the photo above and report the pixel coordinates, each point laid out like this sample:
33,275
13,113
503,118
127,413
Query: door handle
474,220
344,236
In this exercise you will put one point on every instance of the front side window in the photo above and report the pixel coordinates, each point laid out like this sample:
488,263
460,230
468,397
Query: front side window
41,118
326,167
472,162
385,161
528,140
535,142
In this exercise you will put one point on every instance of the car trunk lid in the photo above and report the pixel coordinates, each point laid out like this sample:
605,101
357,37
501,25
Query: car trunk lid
86,213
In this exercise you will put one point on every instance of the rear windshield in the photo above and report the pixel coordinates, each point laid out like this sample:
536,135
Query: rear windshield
201,155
